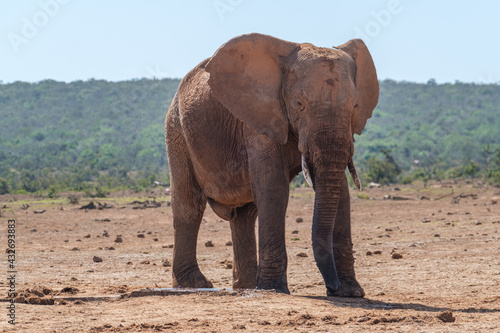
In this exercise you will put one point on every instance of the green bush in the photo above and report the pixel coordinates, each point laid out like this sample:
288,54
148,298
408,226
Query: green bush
52,193
73,199
4,186
383,171
465,171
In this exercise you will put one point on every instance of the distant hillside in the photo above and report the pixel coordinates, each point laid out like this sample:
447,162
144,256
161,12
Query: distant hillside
110,134
74,133
438,129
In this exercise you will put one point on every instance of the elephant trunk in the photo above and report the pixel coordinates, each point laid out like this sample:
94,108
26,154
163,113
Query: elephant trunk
328,175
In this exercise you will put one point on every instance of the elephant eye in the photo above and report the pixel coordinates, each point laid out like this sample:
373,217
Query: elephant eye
301,106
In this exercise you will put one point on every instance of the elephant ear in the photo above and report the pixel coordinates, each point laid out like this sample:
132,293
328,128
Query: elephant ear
245,76
365,80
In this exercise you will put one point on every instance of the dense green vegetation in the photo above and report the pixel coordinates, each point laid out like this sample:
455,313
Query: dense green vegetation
90,135
433,132
81,135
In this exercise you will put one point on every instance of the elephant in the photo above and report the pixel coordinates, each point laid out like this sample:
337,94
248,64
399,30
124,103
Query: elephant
241,126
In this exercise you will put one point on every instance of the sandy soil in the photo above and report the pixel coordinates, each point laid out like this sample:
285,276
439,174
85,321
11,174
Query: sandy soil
427,264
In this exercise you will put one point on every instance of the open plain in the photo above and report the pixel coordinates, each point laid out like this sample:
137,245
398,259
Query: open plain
428,259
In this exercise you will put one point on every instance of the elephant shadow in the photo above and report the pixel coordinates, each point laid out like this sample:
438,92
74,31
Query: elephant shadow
369,304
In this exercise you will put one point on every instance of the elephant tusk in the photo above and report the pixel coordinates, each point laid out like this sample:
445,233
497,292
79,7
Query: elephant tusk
307,172
354,174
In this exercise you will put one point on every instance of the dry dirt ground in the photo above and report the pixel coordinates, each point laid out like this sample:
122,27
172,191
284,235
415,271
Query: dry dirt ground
428,264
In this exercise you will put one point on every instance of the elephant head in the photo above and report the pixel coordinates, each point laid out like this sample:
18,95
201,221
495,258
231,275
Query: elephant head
324,95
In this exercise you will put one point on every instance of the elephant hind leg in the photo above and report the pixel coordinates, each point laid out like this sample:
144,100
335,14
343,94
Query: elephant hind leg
244,247
188,206
187,219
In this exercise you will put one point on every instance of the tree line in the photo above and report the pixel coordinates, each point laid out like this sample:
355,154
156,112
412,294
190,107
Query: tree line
95,134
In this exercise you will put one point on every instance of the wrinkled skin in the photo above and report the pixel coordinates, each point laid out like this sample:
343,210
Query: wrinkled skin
241,126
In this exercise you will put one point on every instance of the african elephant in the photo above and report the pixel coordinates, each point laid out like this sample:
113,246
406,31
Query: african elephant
241,126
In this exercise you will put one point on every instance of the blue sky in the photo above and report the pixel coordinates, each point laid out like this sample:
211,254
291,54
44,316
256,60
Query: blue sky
70,40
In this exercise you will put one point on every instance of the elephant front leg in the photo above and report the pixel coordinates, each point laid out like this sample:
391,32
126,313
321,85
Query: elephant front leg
342,248
244,247
270,191
272,251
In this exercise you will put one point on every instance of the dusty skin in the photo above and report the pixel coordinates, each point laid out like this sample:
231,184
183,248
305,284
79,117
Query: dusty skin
447,277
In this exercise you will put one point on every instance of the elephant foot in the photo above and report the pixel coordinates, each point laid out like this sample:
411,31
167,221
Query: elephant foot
237,284
194,280
279,286
349,287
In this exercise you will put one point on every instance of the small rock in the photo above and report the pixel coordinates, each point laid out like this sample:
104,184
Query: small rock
229,243
228,264
91,205
166,263
294,232
110,248
41,211
302,254
118,239
75,249
264,322
105,233
239,327
70,290
369,253
437,235
145,262
446,317
140,235
396,255
33,230
377,252
97,259
86,236
299,220
425,220
209,244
